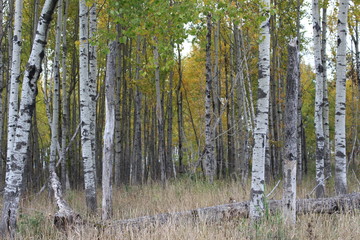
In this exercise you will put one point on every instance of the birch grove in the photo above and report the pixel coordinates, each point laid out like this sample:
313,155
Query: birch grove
18,153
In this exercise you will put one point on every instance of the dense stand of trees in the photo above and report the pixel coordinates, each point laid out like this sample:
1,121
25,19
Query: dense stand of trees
117,102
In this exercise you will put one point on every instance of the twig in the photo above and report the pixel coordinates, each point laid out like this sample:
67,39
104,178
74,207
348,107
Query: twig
277,184
61,156
317,186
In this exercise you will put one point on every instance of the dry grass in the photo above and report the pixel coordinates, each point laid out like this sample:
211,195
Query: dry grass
35,220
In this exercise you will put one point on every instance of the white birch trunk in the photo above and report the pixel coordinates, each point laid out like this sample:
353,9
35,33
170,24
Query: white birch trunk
320,139
340,101
327,162
2,50
93,81
18,153
85,110
56,92
291,136
261,121
108,148
209,163
15,79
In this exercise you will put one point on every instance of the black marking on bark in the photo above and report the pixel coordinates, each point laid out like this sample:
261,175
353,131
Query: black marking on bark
19,145
317,27
15,38
338,41
41,42
320,68
340,154
31,70
261,93
41,55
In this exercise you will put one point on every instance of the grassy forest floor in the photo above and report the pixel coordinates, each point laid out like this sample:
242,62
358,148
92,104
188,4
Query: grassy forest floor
36,217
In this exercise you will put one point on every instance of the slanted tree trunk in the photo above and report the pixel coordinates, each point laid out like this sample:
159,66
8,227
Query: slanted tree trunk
291,136
327,163
108,155
18,153
340,101
209,163
319,126
15,79
86,110
262,116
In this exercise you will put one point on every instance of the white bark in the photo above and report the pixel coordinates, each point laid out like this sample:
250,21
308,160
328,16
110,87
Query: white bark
261,121
85,110
327,162
2,50
15,79
56,92
340,101
93,80
320,140
291,136
108,148
19,153
209,163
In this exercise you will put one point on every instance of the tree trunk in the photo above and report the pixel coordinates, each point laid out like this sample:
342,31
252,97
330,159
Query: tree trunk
159,116
262,116
18,153
209,163
327,163
340,101
291,136
137,150
226,212
108,155
14,81
319,126
86,111
65,104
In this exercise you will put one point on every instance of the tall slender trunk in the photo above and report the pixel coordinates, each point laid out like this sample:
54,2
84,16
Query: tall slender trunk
117,140
327,163
2,71
291,135
86,110
262,116
209,163
169,159
18,153
179,112
93,82
15,79
65,103
319,126
340,101
108,154
137,149
159,116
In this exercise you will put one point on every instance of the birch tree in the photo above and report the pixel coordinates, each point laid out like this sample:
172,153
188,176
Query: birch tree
261,120
340,101
18,153
108,153
209,163
290,148
319,127
86,110
15,79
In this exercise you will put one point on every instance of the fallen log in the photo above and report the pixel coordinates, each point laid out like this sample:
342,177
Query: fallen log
338,204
